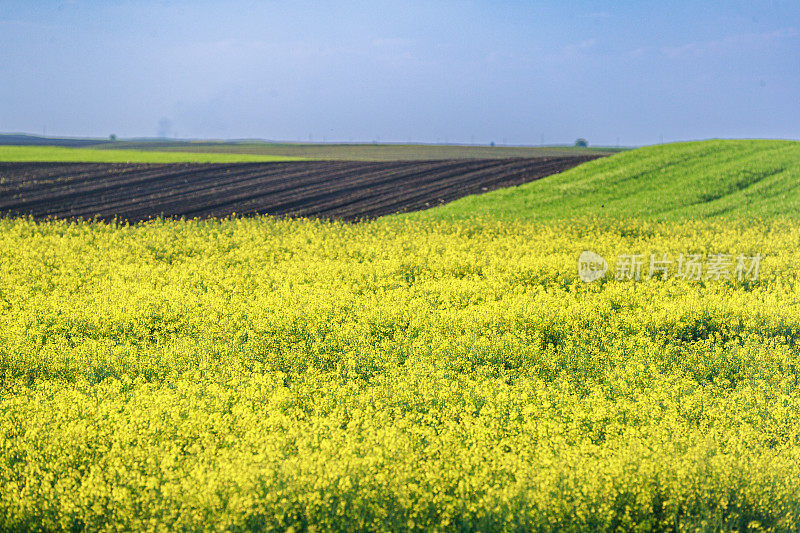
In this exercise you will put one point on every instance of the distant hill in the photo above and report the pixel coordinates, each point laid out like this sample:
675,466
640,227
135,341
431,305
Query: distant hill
320,151
362,151
21,139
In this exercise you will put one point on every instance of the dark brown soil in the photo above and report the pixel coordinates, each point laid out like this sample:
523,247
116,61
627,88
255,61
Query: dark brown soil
326,189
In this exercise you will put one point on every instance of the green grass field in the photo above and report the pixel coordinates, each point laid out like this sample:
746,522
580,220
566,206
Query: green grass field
439,371
92,155
667,182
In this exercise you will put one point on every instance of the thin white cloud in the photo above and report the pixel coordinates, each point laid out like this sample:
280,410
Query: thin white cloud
575,49
736,42
598,15
392,42
27,25
636,53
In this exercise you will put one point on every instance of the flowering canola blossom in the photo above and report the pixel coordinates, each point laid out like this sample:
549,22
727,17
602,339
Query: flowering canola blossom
263,374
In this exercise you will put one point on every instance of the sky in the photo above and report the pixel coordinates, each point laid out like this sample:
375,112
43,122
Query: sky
524,73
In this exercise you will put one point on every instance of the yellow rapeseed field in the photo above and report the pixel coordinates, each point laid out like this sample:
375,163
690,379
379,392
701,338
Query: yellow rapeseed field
263,374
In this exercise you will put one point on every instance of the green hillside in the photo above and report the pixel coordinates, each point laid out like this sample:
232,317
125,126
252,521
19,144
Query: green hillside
665,182
89,155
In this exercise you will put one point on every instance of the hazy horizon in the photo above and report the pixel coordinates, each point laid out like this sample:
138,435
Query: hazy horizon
513,73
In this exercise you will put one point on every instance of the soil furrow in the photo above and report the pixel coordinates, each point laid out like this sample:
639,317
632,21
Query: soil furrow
349,190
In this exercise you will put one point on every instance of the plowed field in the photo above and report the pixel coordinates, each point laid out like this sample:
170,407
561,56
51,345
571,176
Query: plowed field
326,189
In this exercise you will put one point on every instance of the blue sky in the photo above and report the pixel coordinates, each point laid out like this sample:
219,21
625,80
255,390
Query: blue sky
627,72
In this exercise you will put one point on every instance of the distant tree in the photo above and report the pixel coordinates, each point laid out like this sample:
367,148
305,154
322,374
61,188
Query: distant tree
112,137
491,143
581,143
